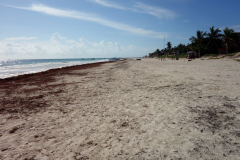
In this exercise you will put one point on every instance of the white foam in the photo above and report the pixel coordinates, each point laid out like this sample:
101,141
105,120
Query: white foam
14,70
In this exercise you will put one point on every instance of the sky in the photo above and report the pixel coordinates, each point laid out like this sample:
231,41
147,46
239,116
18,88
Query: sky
44,29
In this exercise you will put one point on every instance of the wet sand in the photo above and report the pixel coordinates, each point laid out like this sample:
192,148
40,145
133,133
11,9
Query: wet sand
146,109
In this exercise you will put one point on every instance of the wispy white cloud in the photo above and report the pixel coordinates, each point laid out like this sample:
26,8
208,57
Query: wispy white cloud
140,8
108,4
155,11
20,38
61,47
236,28
94,18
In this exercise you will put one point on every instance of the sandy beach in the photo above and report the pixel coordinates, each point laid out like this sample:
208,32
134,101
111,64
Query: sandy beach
132,109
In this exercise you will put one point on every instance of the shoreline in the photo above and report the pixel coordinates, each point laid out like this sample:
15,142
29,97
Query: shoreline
46,69
40,78
146,109
74,67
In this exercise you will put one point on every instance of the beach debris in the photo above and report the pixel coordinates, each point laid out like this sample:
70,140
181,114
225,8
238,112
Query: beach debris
36,136
13,130
145,105
113,121
4,149
90,142
228,99
214,118
79,156
31,158
125,124
229,106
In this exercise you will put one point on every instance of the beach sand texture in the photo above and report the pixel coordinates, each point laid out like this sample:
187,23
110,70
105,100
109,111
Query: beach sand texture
130,109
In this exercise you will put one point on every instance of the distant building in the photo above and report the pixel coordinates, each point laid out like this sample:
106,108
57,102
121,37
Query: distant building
191,54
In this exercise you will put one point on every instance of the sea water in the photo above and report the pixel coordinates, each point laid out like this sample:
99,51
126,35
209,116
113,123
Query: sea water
10,68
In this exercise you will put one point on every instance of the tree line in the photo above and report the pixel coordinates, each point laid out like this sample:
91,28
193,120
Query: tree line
205,43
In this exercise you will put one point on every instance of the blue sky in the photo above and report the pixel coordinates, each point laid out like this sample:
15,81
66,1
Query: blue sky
106,28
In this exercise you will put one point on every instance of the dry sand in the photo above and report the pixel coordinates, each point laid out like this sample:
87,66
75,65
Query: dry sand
146,109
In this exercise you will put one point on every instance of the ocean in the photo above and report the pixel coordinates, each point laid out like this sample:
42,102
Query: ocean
10,68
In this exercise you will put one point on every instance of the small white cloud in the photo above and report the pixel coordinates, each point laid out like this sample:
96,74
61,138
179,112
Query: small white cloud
108,4
20,38
236,28
57,38
9,45
155,11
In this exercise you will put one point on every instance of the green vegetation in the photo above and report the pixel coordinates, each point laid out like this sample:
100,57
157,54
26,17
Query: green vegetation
209,55
162,56
199,41
206,44
214,39
184,55
224,56
214,58
233,54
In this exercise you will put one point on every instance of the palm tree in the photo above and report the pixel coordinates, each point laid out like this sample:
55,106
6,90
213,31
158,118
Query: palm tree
228,37
237,39
169,46
214,38
158,52
192,47
199,40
